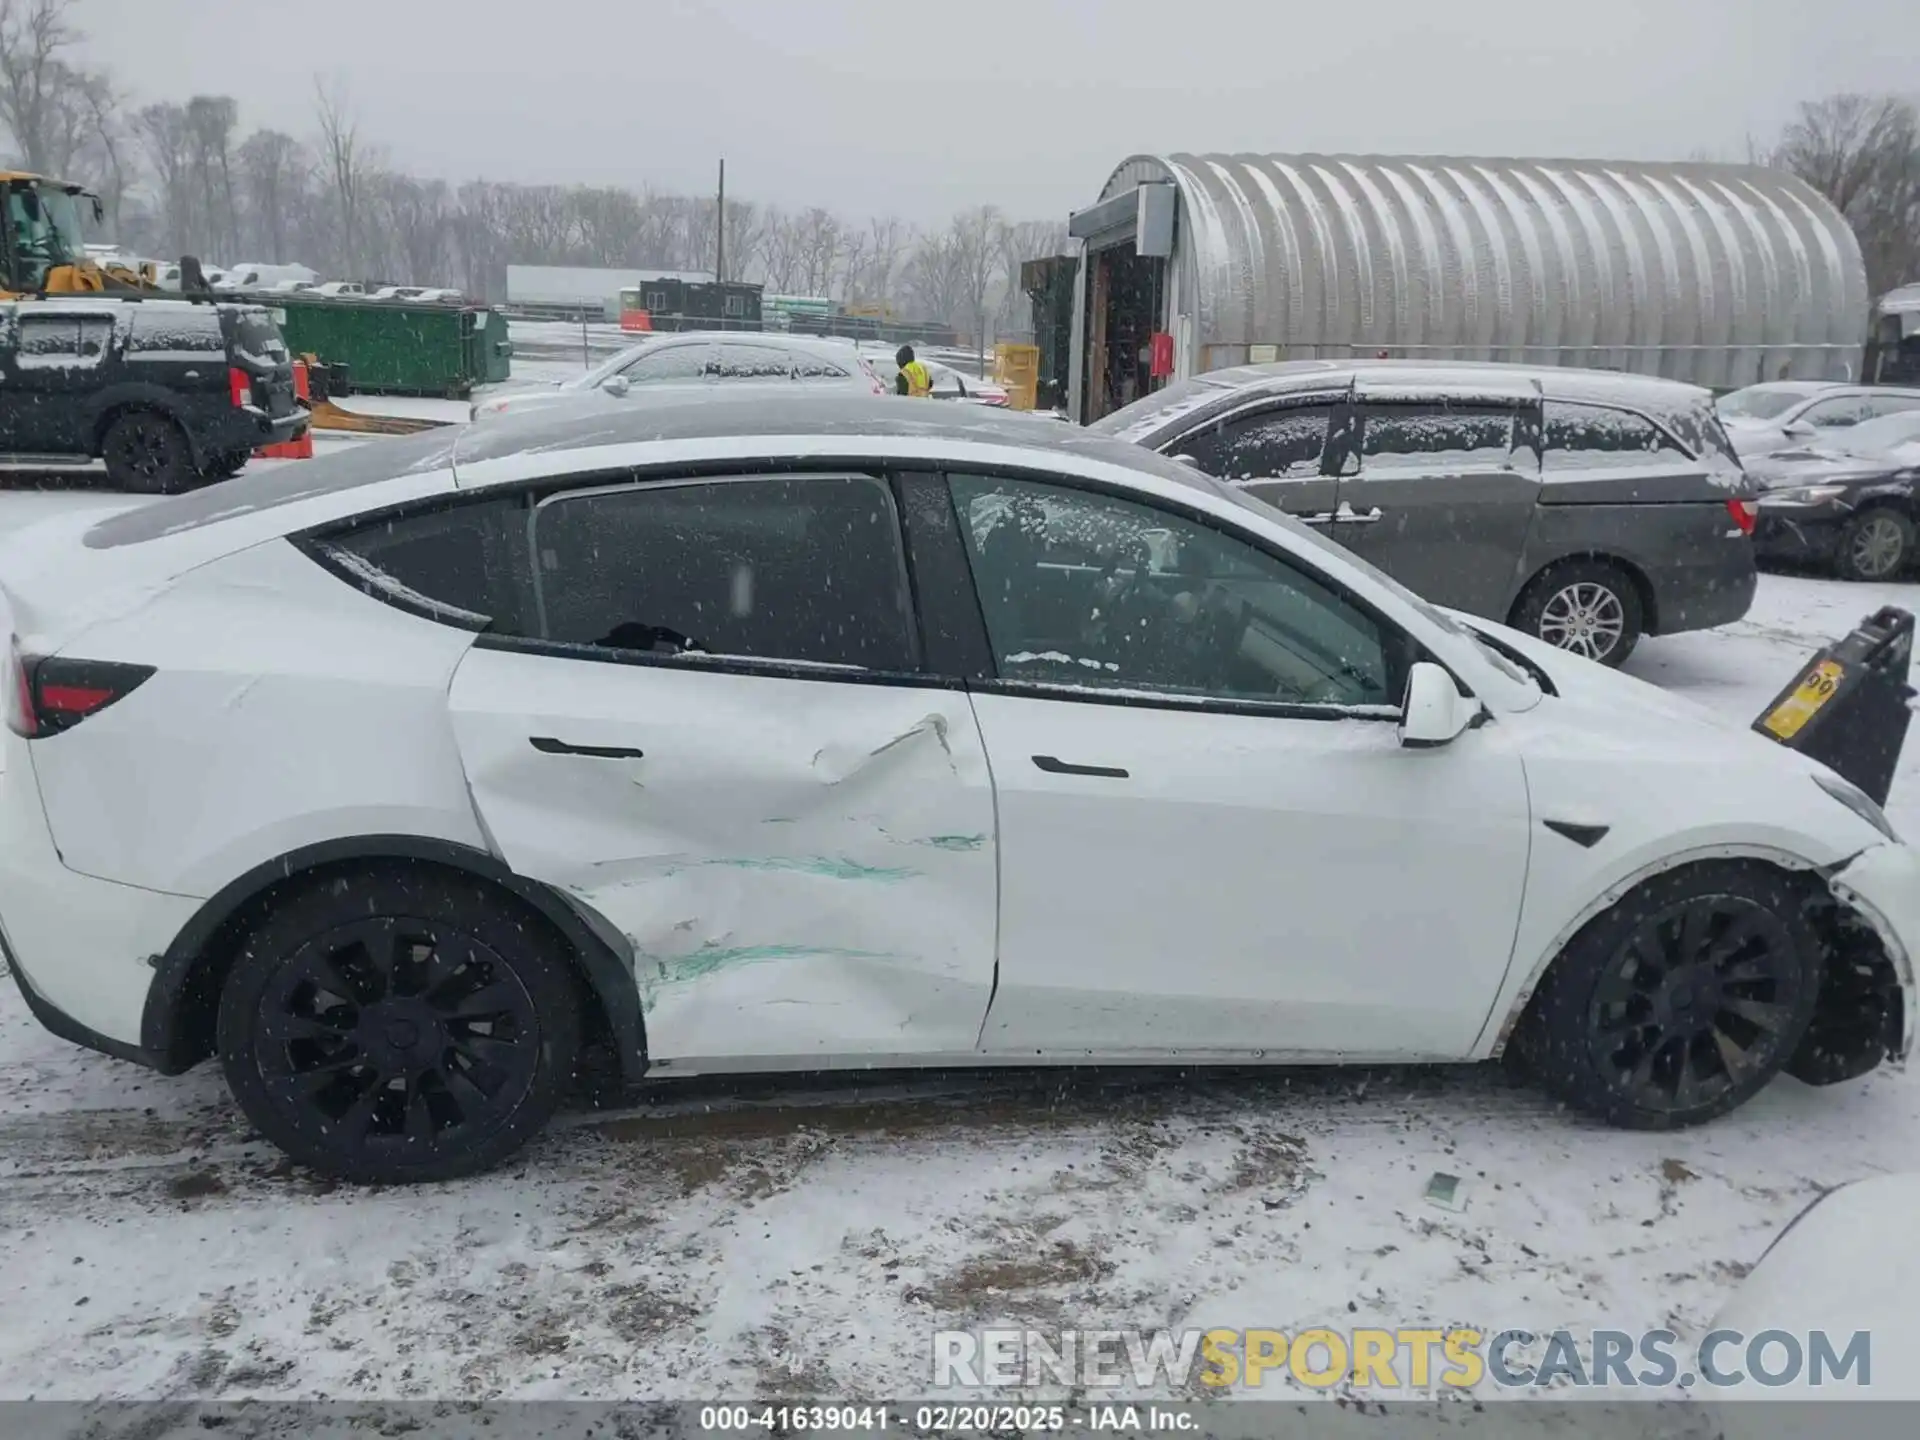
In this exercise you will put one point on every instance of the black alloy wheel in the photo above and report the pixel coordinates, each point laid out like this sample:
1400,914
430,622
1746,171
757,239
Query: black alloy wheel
1681,1001
147,454
1695,1001
406,1036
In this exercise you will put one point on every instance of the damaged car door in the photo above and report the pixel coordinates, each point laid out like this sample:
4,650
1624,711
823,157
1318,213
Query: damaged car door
718,737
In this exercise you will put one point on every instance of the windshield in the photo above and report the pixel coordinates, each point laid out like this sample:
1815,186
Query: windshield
1762,402
45,225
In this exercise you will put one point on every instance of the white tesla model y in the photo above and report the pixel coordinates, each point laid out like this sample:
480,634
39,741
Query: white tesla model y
759,734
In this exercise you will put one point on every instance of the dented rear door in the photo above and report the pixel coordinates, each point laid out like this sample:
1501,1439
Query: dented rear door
800,845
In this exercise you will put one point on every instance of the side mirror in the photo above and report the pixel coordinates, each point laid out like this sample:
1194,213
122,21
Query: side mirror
1435,712
1187,460
616,385
1799,430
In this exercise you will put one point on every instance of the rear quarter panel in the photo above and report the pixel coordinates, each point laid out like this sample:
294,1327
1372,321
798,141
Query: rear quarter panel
288,708
1696,563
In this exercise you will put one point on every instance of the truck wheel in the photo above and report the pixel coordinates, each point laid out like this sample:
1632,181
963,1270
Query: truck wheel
1680,1002
1586,607
226,466
1876,545
148,454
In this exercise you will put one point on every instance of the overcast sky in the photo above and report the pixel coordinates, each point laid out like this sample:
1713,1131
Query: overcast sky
918,107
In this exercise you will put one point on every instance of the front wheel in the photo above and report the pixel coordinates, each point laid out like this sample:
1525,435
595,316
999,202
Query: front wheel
1588,607
1875,545
1680,1002
397,1025
148,454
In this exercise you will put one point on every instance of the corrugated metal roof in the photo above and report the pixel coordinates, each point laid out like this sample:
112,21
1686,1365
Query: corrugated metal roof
1717,274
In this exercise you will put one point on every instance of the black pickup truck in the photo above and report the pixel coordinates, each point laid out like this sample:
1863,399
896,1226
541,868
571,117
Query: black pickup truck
169,393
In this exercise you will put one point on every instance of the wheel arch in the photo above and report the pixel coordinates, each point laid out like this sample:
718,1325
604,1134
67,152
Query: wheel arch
1503,1020
1642,584
139,397
177,1025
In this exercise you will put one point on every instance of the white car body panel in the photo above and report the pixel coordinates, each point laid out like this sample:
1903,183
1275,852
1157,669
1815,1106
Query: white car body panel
804,868
357,709
1305,887
1847,1264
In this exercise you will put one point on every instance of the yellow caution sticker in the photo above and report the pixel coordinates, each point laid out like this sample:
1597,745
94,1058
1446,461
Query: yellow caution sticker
1815,689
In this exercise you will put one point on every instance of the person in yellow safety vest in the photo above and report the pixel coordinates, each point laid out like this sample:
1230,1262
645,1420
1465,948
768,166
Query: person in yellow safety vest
915,378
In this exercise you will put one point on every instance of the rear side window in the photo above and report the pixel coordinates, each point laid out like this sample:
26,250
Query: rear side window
256,338
778,569
1595,437
1431,437
1893,404
459,564
1279,444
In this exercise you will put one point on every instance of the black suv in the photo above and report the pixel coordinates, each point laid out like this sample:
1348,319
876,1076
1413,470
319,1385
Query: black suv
169,393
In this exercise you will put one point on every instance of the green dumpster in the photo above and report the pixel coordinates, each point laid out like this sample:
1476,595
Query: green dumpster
399,349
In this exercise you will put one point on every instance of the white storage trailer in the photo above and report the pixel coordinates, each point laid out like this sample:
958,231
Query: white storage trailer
1721,275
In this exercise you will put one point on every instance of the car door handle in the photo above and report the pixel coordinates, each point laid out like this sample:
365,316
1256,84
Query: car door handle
547,745
1347,515
1060,767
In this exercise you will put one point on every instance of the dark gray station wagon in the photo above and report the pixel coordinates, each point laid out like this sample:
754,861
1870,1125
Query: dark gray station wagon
1585,507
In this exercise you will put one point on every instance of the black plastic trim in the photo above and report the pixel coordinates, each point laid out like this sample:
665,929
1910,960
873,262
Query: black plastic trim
610,975
1041,690
695,661
1053,765
549,745
1585,836
953,632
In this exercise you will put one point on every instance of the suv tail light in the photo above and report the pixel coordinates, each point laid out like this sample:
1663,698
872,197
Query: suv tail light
1745,514
239,387
55,694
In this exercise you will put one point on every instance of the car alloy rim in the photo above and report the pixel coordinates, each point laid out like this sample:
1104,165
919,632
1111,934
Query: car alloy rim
1877,546
396,1034
144,451
1585,618
1696,1002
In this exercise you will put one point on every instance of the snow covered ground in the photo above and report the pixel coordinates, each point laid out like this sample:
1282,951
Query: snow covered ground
734,1240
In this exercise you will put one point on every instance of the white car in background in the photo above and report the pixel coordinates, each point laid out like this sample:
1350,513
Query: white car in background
753,733
337,289
1781,414
948,383
702,360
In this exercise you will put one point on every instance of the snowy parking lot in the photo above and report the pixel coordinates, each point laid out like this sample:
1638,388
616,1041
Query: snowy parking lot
808,1240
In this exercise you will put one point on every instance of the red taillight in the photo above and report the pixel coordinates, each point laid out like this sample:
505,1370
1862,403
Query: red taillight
56,694
239,386
1746,513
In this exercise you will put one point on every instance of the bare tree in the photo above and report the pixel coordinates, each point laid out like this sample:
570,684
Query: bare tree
106,150
34,79
273,176
169,150
210,121
1863,153
888,238
345,163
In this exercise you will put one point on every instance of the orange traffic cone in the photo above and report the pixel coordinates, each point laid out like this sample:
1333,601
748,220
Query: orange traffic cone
301,446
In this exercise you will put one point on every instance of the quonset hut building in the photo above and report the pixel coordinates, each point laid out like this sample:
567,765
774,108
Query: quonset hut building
1722,275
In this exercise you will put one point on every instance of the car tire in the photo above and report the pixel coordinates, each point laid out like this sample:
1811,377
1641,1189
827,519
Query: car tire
148,454
226,466
1589,608
399,1024
1681,1001
1876,544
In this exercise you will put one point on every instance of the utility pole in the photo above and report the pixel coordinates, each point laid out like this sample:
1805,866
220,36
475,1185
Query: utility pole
720,229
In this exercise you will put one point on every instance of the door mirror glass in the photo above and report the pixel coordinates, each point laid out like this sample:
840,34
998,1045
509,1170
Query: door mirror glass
616,386
1435,711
